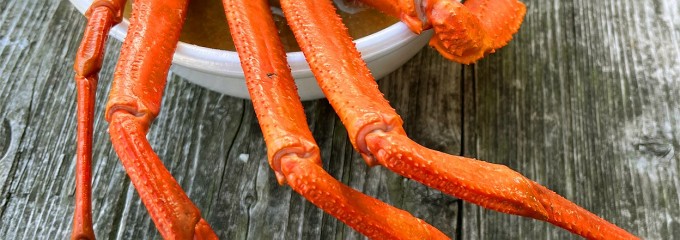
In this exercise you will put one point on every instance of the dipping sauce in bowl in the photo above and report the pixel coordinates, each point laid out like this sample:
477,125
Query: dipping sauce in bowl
206,25
385,44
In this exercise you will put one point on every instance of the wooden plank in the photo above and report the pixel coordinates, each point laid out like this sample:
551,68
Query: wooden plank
584,101
211,144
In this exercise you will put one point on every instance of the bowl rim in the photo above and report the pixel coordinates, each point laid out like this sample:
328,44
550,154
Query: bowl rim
224,62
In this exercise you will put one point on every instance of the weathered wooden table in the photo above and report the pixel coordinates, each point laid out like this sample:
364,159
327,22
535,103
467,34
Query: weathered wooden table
585,100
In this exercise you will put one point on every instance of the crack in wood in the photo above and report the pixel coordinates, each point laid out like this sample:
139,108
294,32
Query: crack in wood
5,137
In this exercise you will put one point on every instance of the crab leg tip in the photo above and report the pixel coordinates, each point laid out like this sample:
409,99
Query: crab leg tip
204,231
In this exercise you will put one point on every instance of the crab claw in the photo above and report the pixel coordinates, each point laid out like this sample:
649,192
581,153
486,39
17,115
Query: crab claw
467,32
464,32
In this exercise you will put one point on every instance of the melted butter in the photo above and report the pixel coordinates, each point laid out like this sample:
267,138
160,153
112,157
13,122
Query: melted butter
206,25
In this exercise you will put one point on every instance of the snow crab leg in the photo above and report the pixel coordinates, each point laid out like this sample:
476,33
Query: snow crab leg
376,131
102,15
134,102
464,32
293,153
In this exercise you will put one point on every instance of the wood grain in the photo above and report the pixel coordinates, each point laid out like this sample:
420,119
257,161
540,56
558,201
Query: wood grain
584,100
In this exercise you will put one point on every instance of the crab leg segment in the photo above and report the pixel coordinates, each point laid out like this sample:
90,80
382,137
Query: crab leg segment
375,130
293,153
102,15
135,101
484,184
464,32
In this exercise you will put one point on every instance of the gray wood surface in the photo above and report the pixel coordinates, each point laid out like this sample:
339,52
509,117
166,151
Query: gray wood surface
585,100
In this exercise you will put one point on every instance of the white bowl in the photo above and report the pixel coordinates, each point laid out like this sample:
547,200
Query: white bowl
220,70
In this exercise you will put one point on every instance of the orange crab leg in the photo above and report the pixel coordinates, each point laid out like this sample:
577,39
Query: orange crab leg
135,101
102,15
488,185
464,32
293,153
376,132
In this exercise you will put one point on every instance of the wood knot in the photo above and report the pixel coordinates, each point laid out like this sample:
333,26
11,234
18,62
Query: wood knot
660,149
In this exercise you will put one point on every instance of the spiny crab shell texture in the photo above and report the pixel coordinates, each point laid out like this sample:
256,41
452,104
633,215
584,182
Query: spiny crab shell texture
464,33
